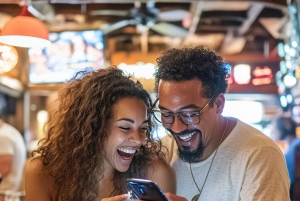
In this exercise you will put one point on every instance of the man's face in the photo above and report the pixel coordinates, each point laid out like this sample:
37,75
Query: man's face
185,96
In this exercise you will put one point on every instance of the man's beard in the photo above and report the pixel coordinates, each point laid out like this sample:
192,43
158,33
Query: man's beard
186,154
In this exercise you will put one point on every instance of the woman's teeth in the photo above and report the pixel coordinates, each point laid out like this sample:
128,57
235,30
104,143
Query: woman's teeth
187,137
128,151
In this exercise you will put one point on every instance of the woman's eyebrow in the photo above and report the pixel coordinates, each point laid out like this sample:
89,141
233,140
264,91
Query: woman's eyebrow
130,120
126,119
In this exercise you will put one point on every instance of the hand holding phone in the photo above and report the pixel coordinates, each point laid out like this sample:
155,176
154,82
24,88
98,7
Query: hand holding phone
146,190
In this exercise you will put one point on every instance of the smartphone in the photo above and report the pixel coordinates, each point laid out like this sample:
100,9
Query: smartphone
146,190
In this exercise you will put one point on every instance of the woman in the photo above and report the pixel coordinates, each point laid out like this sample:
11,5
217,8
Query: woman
98,136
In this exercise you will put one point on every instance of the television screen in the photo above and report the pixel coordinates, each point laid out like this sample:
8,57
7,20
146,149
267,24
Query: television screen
69,52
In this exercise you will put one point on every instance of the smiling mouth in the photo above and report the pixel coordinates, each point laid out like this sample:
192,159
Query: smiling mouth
126,153
186,137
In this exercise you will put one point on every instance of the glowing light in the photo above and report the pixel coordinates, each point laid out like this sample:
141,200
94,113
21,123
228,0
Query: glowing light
283,101
280,50
262,76
242,73
247,111
139,70
42,117
289,80
282,65
8,58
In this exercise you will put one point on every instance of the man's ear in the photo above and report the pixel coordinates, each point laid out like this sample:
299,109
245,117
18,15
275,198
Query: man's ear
220,102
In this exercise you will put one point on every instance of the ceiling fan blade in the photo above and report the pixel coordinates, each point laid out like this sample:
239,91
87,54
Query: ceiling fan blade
110,12
42,10
173,15
168,29
115,26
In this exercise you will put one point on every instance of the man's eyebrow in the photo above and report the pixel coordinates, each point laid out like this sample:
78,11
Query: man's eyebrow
182,108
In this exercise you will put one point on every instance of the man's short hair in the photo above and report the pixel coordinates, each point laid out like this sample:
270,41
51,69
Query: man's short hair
286,127
200,62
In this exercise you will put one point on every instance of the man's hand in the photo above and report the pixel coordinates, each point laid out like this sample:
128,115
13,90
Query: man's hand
172,197
117,198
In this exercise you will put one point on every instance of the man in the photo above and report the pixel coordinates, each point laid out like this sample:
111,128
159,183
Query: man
12,157
218,158
285,130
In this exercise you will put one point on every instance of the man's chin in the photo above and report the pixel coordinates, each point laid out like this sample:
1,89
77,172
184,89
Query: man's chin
190,146
190,156
193,152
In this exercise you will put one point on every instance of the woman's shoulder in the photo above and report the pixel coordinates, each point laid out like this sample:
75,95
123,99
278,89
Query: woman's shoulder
34,170
159,164
34,164
37,182
163,174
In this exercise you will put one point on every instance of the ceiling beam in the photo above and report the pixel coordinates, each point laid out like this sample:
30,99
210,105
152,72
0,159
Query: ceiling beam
235,41
252,15
196,11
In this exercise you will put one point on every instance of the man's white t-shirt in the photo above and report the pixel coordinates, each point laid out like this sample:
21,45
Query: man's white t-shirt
12,143
248,166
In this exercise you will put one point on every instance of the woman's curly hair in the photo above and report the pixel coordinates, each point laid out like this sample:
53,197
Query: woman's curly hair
77,130
181,64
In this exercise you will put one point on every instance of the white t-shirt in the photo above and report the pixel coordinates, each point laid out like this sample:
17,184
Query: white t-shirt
12,143
248,166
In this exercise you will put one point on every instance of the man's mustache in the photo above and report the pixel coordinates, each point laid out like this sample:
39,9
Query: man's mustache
184,132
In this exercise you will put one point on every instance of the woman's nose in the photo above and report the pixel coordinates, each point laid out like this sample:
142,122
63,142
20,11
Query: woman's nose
137,137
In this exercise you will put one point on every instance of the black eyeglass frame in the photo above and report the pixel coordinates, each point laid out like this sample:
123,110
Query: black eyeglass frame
178,114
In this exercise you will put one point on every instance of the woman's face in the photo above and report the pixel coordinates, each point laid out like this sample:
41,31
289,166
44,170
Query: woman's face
127,132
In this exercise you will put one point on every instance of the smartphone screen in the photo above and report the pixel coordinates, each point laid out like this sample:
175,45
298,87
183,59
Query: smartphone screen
146,190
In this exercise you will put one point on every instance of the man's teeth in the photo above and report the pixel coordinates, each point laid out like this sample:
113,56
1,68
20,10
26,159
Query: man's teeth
187,137
128,151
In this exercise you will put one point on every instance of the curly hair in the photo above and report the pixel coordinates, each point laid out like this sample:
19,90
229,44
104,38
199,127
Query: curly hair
182,64
77,130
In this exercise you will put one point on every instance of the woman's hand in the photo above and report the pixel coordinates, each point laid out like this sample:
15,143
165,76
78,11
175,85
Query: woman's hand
117,198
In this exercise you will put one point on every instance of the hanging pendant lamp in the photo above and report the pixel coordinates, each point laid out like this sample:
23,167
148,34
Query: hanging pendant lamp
25,31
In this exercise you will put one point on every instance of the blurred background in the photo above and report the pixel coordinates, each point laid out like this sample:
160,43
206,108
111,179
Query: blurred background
259,39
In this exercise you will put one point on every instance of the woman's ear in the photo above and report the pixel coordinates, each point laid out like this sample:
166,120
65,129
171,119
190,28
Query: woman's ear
220,102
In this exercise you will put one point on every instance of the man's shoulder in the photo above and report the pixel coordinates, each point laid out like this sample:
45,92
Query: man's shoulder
8,130
252,136
245,140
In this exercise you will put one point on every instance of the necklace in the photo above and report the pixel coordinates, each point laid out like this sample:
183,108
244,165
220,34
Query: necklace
196,197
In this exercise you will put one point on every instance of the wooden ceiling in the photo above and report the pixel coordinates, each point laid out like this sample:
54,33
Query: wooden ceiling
230,27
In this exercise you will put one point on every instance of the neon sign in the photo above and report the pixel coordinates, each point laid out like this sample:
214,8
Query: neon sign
262,75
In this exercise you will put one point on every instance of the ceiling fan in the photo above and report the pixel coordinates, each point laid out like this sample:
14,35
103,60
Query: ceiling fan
55,21
146,18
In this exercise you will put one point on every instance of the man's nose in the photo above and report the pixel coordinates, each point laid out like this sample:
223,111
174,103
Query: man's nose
178,125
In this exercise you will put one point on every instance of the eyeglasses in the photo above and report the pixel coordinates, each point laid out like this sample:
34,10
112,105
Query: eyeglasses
186,117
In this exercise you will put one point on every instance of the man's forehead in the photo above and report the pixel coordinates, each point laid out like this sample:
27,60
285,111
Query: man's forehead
187,86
